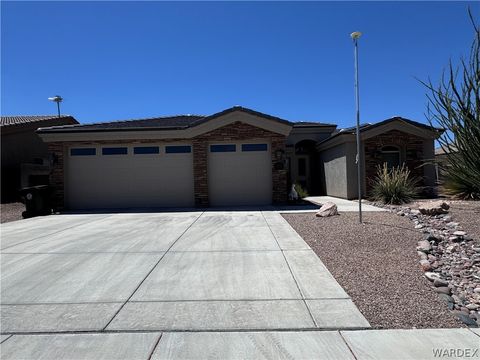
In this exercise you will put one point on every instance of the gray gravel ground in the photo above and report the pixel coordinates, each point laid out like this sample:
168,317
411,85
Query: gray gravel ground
11,212
377,264
467,214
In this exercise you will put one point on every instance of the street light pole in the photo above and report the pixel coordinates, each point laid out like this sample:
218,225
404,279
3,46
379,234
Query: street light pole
58,99
355,36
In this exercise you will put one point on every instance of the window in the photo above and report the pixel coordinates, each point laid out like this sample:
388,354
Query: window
302,167
140,150
254,147
83,152
178,149
114,151
391,156
223,148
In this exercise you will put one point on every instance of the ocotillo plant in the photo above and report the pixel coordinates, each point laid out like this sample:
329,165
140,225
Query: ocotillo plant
454,105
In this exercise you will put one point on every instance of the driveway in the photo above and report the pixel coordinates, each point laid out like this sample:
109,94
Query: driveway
178,271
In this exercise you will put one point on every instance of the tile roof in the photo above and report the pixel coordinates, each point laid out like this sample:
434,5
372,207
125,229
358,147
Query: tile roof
28,119
311,124
176,122
164,122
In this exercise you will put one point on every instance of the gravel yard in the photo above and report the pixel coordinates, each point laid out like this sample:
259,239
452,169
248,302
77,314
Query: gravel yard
377,264
11,212
467,213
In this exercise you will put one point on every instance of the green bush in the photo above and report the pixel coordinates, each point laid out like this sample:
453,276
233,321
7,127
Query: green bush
302,193
395,185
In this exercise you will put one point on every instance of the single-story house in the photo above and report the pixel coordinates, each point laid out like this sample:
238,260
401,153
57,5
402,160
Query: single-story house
234,157
25,157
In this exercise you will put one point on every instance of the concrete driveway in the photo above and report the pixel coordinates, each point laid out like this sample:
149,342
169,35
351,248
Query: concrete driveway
178,271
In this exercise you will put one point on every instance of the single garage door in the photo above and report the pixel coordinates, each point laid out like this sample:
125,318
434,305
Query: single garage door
240,173
126,176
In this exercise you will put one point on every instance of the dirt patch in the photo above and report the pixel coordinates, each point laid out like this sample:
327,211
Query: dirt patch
11,212
377,264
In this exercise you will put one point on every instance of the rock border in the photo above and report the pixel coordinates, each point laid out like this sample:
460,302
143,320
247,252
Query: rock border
449,257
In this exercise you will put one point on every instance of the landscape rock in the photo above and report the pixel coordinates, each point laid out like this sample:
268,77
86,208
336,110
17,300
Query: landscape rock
466,319
434,208
424,246
431,276
327,209
440,283
425,264
443,290
449,257
472,306
422,255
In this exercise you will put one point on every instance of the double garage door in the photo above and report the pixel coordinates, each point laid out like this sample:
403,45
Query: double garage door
159,175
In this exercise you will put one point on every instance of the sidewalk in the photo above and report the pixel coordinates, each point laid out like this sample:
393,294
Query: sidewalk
361,344
343,205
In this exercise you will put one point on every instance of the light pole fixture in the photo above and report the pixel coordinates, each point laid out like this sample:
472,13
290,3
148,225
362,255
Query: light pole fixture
58,99
355,36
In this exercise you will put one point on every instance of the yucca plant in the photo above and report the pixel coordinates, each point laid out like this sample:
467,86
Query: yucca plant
302,193
394,185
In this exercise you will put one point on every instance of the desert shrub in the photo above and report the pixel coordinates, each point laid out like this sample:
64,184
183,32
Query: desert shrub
302,193
454,105
394,185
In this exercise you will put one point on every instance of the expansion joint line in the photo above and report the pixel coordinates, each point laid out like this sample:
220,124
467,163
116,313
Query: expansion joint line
151,270
291,272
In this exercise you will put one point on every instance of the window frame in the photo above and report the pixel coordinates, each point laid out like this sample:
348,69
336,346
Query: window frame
72,150
254,147
178,147
116,148
156,147
391,149
223,148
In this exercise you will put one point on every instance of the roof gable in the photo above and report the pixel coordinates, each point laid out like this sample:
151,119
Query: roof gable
369,130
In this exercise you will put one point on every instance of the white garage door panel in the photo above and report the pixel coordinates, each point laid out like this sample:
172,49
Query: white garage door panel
240,178
120,181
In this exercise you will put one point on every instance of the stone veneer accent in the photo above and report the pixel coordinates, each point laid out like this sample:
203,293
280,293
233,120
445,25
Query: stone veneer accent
411,153
237,131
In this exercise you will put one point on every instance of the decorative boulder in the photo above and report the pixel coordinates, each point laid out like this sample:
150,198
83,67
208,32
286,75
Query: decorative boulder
434,208
327,209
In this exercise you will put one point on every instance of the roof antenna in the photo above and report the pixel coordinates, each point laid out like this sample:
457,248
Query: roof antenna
58,99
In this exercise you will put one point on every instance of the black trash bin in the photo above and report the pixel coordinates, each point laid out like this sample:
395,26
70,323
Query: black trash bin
37,200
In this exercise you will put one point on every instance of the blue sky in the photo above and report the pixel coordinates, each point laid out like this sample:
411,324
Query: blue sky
121,60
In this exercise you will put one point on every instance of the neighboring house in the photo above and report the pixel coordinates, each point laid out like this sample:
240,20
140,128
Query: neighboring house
440,163
235,157
25,157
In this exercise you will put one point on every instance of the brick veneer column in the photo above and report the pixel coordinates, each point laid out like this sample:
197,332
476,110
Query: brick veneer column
57,181
200,175
279,176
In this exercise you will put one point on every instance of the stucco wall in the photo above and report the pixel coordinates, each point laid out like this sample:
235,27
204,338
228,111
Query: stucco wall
429,169
333,162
